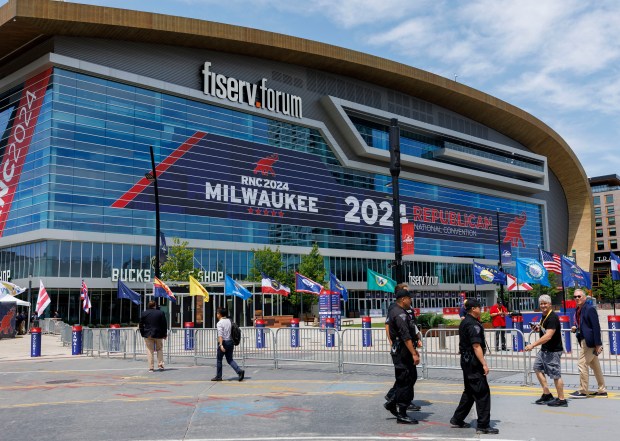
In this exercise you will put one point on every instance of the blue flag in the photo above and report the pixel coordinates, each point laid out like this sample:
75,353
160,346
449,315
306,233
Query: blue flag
124,292
572,275
531,271
484,274
615,263
336,285
233,288
304,284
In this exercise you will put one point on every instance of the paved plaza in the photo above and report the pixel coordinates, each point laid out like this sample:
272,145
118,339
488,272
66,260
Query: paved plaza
64,397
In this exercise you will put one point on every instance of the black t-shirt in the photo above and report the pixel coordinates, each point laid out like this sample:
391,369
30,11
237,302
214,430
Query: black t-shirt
552,321
470,332
398,320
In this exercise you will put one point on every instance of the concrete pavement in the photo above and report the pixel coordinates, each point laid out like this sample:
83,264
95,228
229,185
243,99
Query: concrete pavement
60,397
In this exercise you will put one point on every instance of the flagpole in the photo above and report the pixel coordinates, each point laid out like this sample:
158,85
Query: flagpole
499,255
80,307
613,289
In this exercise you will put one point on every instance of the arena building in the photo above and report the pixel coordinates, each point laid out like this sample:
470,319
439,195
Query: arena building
261,139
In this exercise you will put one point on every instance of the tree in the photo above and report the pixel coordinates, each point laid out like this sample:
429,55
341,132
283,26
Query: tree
551,290
180,263
605,291
268,262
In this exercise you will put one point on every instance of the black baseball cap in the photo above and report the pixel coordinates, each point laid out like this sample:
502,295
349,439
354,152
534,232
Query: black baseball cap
402,293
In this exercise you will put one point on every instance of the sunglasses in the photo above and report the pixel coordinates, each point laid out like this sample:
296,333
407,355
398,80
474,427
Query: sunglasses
578,297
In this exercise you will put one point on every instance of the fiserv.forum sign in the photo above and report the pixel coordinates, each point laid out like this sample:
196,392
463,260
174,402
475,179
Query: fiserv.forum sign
253,94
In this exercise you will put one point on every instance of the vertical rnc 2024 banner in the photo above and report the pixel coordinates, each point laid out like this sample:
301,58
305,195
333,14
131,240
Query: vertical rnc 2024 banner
21,122
216,176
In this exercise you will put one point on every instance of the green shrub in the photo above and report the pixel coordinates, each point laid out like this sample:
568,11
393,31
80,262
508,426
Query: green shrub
485,317
430,320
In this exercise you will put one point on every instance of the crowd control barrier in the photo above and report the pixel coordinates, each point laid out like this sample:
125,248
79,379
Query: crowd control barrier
439,351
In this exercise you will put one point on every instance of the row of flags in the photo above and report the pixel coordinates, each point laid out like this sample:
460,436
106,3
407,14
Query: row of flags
527,271
530,271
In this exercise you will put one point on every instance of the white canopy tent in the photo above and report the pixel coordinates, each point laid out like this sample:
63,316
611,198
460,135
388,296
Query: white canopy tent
10,299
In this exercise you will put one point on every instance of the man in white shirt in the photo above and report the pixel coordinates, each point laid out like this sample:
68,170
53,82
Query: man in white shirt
225,345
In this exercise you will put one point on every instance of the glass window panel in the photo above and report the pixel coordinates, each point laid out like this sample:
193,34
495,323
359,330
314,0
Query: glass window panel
87,252
609,198
65,259
597,200
76,259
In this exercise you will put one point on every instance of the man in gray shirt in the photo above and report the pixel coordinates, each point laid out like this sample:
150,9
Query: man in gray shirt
225,345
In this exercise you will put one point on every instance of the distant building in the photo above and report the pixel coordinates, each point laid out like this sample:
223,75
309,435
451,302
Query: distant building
606,194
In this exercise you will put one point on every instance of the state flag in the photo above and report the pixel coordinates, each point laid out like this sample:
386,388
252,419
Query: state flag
304,284
231,287
271,286
484,274
85,299
160,289
196,289
615,262
379,282
124,292
43,300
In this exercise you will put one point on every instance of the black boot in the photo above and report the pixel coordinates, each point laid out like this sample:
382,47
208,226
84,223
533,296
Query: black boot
402,417
391,407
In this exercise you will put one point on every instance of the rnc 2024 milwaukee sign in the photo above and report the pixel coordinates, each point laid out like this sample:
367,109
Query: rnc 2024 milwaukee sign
220,177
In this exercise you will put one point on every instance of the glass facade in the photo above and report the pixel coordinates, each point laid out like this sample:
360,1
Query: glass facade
91,145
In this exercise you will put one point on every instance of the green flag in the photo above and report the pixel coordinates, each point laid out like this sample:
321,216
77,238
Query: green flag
377,282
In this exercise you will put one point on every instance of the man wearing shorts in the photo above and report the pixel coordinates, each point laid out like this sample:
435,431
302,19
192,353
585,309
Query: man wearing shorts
548,358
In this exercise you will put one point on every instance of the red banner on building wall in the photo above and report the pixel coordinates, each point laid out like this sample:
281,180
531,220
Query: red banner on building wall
407,235
22,130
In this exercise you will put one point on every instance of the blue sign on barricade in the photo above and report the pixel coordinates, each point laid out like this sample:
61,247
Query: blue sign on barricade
189,336
366,332
294,333
614,334
115,338
35,342
330,333
76,340
260,334
517,337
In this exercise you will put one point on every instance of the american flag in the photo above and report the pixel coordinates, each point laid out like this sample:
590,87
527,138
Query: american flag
85,299
552,262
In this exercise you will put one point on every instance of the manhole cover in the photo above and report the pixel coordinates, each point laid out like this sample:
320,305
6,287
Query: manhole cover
61,381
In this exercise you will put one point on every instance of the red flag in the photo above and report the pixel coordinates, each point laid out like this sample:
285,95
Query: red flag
407,235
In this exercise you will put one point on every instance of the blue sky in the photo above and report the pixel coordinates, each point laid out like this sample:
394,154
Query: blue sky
557,59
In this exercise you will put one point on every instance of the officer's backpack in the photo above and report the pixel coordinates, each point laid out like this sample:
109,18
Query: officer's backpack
235,333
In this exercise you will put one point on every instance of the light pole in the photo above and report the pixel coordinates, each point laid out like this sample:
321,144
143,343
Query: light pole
152,177
29,301
397,268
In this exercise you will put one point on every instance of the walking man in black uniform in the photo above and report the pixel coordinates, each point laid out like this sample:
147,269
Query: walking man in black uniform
472,347
404,356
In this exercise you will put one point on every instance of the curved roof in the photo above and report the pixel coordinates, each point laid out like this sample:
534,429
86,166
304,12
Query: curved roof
25,23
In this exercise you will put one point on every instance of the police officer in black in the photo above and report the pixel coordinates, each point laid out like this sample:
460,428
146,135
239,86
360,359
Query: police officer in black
404,356
472,347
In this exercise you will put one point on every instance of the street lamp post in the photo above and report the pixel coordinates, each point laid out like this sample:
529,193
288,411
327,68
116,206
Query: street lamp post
394,138
29,301
152,177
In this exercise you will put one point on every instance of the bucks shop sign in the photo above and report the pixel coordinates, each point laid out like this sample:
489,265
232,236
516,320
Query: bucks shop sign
221,177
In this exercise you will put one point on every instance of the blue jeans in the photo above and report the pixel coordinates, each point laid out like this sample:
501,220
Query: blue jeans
229,347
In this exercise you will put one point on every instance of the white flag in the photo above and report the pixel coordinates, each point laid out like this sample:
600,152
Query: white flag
43,300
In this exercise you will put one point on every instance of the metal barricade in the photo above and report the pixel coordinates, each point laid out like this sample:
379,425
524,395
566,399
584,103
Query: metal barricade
248,349
610,363
87,341
117,341
441,351
353,351
312,347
